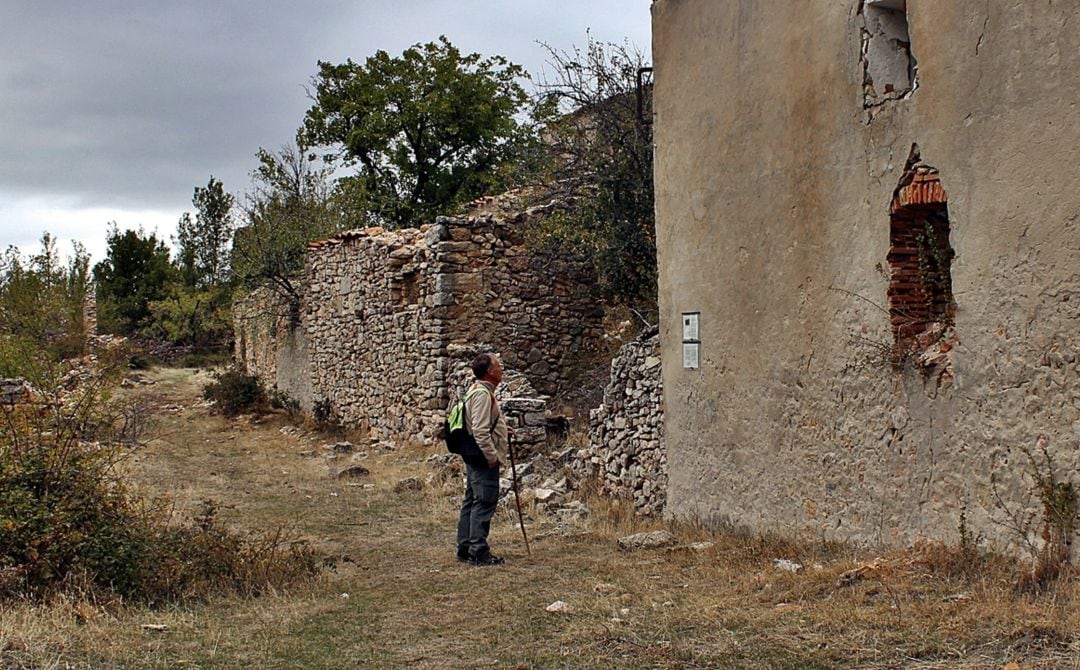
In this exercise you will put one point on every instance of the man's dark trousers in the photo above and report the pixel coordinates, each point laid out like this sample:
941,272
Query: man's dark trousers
477,507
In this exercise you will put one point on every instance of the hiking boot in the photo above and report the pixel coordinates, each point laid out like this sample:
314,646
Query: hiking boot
486,559
463,556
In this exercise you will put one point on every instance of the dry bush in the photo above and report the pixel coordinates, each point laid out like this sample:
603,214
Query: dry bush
234,392
71,522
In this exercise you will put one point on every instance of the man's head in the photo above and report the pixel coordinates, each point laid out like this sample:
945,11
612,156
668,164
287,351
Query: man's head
486,367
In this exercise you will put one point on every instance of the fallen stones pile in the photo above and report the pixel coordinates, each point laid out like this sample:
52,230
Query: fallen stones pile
626,451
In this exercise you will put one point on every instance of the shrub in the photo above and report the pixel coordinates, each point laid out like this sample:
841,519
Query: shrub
326,419
234,392
282,400
68,520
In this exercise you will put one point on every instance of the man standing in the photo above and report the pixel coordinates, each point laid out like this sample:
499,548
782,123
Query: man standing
485,422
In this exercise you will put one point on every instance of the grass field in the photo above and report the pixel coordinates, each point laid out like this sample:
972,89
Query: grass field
393,596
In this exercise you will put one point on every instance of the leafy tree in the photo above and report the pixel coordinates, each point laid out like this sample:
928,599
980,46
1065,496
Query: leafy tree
426,131
136,271
291,203
203,242
195,310
41,304
191,316
603,160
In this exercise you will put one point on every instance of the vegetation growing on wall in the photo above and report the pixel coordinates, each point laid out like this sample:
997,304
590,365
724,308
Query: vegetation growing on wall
292,202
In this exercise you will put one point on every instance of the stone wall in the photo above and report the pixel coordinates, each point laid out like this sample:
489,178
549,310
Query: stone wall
626,451
272,344
383,310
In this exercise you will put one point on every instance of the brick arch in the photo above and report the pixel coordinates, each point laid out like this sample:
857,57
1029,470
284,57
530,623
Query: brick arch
920,256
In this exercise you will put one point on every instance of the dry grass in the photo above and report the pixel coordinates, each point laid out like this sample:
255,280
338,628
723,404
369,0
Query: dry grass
396,598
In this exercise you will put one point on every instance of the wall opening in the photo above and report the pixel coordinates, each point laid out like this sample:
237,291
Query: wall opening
408,293
889,68
921,305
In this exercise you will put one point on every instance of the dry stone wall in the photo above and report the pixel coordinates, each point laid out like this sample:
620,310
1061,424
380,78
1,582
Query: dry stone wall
377,330
385,312
626,450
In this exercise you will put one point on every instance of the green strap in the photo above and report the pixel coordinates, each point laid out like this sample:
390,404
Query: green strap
457,412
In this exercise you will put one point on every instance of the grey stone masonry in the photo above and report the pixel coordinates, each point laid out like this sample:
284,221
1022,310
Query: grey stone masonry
382,311
525,409
626,434
14,391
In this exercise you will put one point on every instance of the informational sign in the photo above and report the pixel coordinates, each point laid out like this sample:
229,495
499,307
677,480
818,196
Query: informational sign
691,341
691,355
690,327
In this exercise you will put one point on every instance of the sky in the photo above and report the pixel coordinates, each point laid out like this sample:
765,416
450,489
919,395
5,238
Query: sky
114,110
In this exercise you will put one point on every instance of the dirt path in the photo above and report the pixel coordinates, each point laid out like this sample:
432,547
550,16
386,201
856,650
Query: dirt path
395,597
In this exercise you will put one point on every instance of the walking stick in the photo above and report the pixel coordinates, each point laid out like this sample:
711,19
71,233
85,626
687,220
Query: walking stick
517,496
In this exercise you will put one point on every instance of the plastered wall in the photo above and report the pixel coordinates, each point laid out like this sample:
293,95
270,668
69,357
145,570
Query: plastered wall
774,180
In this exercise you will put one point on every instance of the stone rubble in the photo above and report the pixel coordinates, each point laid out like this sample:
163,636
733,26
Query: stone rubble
626,451
14,391
656,539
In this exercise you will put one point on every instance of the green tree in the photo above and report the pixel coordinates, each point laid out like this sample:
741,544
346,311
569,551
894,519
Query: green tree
426,131
136,271
192,317
290,204
603,158
194,311
41,304
202,242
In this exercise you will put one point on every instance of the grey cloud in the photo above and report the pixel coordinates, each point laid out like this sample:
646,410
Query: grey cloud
131,104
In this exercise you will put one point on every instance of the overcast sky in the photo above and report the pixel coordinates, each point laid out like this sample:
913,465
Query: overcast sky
114,110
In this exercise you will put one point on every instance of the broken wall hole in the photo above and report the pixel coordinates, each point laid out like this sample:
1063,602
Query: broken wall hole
407,291
890,71
921,305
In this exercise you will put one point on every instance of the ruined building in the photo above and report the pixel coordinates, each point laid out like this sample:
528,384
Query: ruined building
389,318
868,224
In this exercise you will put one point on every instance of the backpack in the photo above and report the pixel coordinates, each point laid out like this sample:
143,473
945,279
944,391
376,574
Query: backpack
458,439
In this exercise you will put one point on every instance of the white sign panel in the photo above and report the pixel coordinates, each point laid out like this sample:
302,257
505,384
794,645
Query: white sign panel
691,355
690,327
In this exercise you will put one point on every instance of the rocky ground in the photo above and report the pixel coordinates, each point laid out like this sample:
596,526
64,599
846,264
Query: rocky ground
602,588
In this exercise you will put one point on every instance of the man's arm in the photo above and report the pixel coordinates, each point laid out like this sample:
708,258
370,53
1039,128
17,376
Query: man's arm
478,406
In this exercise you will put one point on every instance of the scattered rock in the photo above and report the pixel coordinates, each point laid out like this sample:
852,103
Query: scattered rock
408,484
354,472
851,576
651,540
342,447
559,607
544,495
604,587
574,510
785,564
155,627
309,453
702,546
